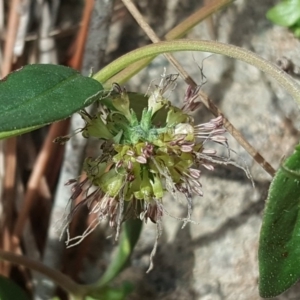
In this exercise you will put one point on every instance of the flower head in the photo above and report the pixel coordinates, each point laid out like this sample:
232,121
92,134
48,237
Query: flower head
144,155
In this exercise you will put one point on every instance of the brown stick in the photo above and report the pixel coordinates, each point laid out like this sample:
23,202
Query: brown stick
10,151
76,60
41,164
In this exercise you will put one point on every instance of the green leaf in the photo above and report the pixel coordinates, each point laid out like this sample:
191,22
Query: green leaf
279,250
8,134
9,290
286,13
37,95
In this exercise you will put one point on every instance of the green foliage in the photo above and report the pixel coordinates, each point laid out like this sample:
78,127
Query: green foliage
279,251
287,14
37,95
9,290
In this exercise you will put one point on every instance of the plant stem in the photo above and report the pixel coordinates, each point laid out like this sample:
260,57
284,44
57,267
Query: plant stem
71,287
205,46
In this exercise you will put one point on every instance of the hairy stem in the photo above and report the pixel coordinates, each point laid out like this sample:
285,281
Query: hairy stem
205,46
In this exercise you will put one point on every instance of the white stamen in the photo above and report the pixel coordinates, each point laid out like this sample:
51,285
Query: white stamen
209,151
141,159
186,148
208,167
195,173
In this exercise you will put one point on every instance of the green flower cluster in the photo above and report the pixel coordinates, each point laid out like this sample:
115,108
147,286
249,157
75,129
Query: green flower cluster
142,150
145,153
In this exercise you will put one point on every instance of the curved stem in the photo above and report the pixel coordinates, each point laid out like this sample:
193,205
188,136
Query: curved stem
205,46
76,290
128,240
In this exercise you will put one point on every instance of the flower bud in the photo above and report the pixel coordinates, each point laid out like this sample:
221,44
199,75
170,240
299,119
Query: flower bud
156,101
